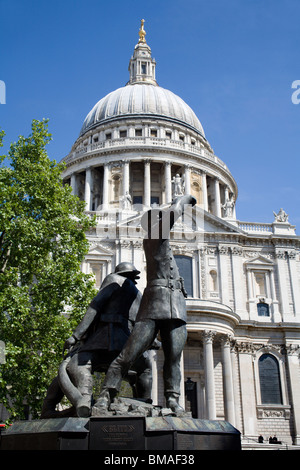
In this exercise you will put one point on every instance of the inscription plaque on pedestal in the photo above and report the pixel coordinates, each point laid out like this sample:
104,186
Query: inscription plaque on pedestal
117,433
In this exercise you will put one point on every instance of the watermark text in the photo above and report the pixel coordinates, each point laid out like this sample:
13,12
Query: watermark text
296,94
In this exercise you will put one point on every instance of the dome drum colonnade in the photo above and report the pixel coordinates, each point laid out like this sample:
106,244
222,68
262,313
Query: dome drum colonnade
147,178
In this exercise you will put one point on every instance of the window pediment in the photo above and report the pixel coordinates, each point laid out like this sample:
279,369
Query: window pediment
97,249
260,262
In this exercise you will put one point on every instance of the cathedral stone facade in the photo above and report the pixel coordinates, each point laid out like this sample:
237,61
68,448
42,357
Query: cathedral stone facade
139,147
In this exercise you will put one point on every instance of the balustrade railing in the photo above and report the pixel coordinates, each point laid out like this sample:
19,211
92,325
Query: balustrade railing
255,227
144,141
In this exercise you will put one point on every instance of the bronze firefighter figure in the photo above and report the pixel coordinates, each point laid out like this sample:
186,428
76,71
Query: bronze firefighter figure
96,342
162,309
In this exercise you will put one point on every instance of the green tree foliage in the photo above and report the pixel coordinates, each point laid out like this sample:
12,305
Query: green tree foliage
43,293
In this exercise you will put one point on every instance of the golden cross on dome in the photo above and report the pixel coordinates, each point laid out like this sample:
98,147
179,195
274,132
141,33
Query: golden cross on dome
142,32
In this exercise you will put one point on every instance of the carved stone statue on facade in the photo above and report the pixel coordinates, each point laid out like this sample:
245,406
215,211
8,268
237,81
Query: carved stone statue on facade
96,341
126,201
282,216
178,186
162,309
228,207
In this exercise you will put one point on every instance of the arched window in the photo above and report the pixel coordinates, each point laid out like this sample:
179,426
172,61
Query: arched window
185,267
269,377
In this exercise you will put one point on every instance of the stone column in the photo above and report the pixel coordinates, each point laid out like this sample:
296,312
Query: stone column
88,188
74,184
209,374
168,183
187,179
204,192
105,186
217,198
227,380
147,183
125,188
182,390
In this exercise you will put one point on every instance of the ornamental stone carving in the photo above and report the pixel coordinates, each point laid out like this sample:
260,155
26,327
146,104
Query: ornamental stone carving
293,349
266,411
244,347
224,250
237,251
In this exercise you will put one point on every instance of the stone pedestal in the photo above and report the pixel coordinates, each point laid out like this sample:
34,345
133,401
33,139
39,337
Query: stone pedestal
47,434
121,433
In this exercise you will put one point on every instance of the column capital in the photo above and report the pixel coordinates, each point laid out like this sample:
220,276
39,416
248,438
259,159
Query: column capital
293,349
208,335
225,340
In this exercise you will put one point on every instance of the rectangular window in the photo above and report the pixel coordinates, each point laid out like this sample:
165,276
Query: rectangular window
123,133
144,68
137,200
153,133
263,309
185,268
154,200
108,136
138,132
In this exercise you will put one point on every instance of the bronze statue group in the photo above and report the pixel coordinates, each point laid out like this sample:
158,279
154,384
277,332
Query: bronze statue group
121,326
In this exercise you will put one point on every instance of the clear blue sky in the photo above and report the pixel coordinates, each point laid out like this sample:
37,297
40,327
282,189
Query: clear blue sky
232,61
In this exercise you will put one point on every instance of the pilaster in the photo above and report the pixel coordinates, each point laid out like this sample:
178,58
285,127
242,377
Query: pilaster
245,355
